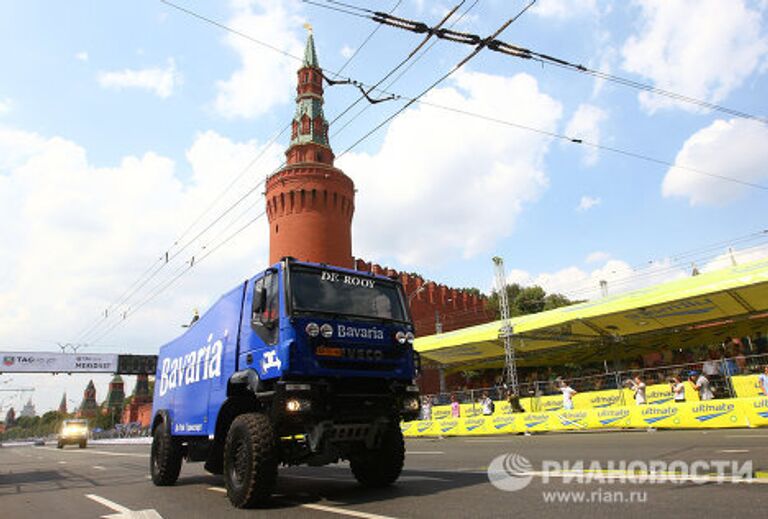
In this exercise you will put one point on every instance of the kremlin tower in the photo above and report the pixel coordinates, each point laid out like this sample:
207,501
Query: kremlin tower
310,203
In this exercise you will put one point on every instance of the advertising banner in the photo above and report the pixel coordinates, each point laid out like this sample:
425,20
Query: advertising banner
712,413
51,362
599,399
755,410
609,418
746,386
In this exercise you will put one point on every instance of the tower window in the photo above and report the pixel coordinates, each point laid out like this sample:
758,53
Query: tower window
277,228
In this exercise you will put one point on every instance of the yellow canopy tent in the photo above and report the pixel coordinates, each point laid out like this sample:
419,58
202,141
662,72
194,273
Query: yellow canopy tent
685,311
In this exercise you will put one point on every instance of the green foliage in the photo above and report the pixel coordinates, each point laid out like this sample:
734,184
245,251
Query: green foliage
528,300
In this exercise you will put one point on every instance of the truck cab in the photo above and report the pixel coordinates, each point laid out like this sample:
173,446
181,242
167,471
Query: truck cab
301,364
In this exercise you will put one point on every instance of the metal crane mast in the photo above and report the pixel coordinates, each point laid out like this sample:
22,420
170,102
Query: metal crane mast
510,366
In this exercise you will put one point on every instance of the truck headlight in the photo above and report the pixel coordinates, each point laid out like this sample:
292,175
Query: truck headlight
411,404
409,337
400,337
326,330
296,405
312,329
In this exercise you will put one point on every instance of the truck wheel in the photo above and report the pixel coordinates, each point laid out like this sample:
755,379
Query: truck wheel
82,445
59,445
250,460
381,467
165,458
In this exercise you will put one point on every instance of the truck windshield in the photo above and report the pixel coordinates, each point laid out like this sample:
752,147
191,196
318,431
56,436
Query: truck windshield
327,291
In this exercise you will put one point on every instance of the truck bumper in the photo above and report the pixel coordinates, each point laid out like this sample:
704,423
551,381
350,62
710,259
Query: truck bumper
344,402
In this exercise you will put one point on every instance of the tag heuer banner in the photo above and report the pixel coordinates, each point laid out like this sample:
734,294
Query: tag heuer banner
47,362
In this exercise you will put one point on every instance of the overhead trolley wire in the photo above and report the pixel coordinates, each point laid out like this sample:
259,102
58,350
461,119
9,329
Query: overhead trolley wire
517,51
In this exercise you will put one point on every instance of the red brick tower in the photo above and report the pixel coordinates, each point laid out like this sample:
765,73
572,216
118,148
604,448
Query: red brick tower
310,203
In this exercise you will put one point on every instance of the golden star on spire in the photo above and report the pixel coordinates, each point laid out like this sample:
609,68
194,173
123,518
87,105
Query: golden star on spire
308,27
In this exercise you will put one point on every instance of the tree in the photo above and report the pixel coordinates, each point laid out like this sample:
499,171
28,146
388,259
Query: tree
528,300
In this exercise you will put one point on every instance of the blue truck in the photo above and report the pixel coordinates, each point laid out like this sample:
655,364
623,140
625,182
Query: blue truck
301,364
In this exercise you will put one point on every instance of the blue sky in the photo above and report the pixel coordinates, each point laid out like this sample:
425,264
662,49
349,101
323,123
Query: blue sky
121,123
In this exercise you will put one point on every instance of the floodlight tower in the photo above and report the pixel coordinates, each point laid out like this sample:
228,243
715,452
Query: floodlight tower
510,365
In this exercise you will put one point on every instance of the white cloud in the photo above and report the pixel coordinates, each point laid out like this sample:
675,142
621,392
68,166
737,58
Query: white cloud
579,284
700,48
585,125
436,169
564,8
5,106
347,51
81,56
80,234
735,148
265,78
598,257
588,202
159,81
740,256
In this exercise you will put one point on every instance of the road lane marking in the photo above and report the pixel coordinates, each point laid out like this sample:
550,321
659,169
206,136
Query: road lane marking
122,511
746,435
99,467
733,451
62,463
343,511
324,508
487,441
424,452
105,453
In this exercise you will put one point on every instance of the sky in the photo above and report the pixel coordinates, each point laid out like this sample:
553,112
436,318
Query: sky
132,130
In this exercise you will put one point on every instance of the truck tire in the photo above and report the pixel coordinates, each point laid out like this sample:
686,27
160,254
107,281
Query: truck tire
165,458
83,444
250,460
59,445
381,467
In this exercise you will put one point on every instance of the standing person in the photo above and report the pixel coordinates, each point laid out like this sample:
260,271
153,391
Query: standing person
763,379
638,386
514,402
702,385
487,404
678,389
426,408
709,367
568,393
455,407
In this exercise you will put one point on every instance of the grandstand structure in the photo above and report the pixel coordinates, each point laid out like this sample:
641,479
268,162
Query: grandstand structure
686,313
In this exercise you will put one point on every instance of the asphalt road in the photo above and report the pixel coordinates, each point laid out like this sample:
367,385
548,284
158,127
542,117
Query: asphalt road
442,479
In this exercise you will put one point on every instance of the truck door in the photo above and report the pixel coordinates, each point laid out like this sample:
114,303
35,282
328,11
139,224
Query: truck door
261,329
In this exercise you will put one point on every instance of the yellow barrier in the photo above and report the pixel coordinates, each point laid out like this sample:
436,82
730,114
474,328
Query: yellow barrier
716,414
755,410
746,386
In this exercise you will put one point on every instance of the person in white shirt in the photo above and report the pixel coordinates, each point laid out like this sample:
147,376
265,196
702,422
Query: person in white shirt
678,389
709,367
702,385
763,380
568,393
638,386
486,404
